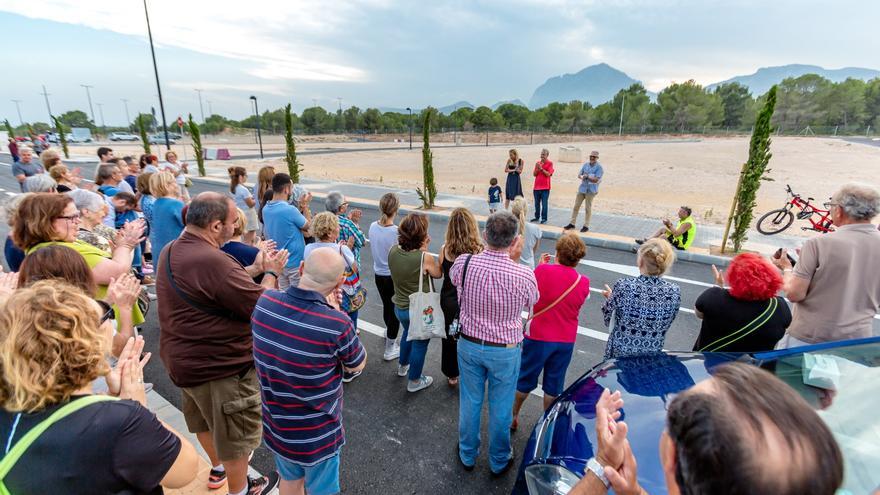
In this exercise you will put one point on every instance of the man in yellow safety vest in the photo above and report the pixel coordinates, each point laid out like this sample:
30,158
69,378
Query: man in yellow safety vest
682,236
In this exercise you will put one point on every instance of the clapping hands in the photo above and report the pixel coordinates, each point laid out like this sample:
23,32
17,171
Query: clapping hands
131,234
123,291
126,379
355,215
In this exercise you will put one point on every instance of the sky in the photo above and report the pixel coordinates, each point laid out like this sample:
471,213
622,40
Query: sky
395,54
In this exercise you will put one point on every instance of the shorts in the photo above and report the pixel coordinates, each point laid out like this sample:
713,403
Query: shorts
674,244
289,278
231,409
321,479
550,357
494,206
253,223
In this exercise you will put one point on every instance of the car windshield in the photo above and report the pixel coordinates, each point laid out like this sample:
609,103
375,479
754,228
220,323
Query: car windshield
841,383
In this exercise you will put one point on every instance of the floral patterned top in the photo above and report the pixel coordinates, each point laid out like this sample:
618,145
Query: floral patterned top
101,236
642,310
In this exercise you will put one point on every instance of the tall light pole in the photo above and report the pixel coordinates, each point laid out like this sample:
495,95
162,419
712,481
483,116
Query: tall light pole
48,108
210,112
620,128
156,71
18,108
201,108
408,109
89,96
127,117
259,134
101,113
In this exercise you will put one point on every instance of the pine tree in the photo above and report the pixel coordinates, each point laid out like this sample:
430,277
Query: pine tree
62,135
754,171
293,166
430,192
196,134
142,129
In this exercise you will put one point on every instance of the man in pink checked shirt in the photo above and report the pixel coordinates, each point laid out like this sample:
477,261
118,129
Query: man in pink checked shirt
493,290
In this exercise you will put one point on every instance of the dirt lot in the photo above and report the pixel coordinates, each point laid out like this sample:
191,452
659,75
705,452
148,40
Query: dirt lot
646,178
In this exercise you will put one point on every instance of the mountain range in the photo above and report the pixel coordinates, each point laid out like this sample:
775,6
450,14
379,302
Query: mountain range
599,83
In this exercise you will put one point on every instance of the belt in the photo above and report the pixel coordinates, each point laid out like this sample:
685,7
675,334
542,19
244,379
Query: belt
486,342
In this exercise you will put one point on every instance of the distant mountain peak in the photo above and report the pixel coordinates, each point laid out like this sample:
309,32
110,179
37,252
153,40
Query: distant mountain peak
595,84
762,79
515,101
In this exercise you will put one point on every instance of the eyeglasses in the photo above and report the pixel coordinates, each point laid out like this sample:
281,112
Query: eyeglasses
108,312
71,218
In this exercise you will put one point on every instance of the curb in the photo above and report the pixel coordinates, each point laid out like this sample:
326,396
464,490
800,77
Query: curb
546,233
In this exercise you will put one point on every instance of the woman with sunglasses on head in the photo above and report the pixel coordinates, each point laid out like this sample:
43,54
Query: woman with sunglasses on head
46,219
54,344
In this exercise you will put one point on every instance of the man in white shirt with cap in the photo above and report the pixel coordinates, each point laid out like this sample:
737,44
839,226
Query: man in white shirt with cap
590,177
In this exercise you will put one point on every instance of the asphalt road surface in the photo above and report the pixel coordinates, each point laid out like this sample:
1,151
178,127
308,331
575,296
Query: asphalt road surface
398,442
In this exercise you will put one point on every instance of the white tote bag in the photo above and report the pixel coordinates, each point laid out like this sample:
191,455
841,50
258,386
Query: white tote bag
425,316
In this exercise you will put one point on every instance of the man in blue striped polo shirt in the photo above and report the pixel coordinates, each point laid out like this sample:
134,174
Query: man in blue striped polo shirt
302,344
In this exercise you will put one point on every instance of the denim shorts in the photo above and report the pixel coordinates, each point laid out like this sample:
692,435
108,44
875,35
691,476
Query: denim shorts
550,357
321,479
494,206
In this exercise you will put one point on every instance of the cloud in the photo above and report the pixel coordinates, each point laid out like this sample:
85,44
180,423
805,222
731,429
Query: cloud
282,39
270,89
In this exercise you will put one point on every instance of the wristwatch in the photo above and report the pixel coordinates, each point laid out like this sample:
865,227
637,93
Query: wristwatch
594,467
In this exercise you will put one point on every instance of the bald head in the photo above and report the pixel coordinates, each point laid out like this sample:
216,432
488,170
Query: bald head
322,271
206,208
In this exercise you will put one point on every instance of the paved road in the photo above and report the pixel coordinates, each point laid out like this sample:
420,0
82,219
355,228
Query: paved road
399,442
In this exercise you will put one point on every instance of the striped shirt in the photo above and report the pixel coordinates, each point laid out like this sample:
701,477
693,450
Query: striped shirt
300,346
495,293
349,229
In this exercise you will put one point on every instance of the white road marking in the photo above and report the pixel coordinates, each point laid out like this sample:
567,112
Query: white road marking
11,193
633,271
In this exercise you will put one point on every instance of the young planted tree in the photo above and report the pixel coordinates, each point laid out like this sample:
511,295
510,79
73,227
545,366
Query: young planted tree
754,171
62,135
430,192
196,135
142,130
9,128
293,166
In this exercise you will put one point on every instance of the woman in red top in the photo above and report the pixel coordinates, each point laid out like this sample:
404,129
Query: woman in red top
552,328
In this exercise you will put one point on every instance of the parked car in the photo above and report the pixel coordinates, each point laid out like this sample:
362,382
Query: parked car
563,440
123,136
52,137
160,138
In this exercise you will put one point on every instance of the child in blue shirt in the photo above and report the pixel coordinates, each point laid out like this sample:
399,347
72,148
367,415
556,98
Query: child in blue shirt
494,195
125,204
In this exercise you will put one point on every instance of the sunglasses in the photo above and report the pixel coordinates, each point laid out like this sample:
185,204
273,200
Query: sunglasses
108,312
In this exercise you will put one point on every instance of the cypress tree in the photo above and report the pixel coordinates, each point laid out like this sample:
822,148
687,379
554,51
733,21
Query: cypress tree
430,192
9,128
293,166
142,130
754,171
196,134
62,135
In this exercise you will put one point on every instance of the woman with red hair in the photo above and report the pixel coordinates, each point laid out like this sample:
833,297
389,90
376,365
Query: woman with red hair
748,316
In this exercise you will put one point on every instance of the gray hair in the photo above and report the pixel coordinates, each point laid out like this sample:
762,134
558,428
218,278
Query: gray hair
10,209
334,202
104,172
40,183
859,202
206,208
87,200
501,230
545,150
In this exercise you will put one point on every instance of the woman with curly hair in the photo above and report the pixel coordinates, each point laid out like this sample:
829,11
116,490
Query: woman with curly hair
407,261
54,344
748,316
462,238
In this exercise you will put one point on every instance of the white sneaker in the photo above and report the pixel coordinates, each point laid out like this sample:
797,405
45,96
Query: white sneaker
402,370
392,350
421,383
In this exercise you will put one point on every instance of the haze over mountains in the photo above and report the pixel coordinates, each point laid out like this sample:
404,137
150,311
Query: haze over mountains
599,83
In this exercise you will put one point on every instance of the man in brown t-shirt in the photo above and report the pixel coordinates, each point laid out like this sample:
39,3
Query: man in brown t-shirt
205,300
835,286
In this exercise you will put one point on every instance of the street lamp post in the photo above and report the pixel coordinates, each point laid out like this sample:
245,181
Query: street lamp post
156,72
408,109
89,96
210,112
18,109
259,134
101,113
127,117
201,108
48,108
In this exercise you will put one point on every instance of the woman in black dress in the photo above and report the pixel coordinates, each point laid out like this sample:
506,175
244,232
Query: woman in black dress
462,239
513,169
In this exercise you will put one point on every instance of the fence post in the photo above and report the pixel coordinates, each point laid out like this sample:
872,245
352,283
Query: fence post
835,129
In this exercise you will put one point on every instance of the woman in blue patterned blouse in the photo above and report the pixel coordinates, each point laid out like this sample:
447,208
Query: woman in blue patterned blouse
642,308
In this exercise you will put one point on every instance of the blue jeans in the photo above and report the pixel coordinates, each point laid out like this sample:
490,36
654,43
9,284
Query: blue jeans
320,479
500,367
354,319
541,199
411,353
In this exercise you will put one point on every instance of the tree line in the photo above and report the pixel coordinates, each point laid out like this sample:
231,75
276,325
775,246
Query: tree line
809,103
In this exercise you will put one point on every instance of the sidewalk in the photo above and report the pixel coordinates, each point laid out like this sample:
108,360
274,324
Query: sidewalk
607,230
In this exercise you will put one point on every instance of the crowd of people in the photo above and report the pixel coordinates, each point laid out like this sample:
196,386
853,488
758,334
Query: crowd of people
258,307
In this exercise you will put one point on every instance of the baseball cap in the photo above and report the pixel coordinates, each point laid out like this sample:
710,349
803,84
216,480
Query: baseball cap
687,209
594,153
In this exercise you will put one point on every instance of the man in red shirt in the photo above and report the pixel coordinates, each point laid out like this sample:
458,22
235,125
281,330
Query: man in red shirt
543,171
